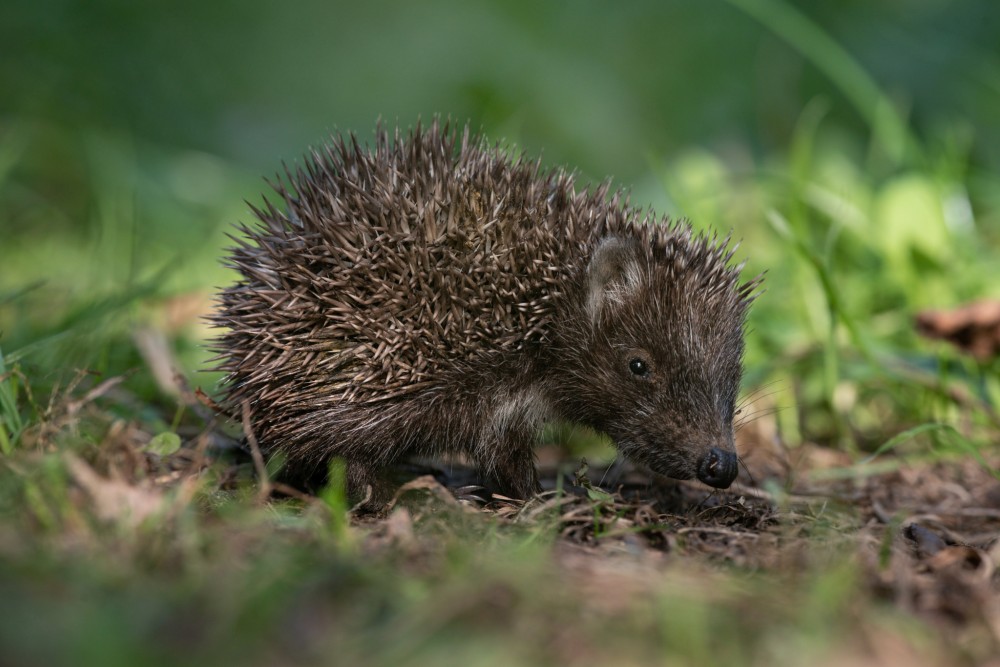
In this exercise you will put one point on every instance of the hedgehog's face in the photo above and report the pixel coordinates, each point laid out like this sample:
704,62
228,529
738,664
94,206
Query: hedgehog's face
667,352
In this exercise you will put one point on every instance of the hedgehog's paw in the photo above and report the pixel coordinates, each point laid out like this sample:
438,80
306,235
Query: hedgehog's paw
514,475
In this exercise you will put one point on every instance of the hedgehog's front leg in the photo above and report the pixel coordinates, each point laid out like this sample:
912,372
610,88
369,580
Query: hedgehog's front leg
506,460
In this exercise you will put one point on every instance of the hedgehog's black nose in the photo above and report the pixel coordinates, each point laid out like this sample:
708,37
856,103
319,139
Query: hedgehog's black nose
718,468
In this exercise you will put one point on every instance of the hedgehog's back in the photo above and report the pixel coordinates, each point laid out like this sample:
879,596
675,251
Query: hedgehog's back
385,265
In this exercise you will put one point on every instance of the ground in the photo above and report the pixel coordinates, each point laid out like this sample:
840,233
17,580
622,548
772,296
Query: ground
143,548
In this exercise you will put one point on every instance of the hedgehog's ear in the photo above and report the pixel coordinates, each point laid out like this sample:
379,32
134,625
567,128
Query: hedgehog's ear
613,273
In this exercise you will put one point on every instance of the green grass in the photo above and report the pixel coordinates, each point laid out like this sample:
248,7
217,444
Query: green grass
207,578
117,547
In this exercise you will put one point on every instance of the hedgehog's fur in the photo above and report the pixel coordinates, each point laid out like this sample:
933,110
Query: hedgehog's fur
431,294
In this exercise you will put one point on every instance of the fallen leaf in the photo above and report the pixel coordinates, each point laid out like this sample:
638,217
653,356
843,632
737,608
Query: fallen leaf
974,328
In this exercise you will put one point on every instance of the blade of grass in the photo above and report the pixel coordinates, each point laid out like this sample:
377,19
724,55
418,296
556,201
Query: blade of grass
957,438
906,435
86,316
15,143
14,295
11,424
815,45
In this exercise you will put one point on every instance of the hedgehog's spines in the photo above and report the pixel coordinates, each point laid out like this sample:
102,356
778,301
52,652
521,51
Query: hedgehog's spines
426,249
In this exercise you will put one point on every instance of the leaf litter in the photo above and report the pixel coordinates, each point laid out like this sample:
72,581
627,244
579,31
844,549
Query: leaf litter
920,537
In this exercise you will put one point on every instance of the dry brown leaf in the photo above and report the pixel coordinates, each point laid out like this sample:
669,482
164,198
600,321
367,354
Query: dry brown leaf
399,527
425,483
116,500
965,561
974,328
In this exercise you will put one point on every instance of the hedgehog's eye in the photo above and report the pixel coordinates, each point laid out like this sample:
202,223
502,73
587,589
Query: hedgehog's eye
638,367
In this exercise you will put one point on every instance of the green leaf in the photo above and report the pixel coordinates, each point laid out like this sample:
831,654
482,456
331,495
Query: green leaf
597,494
164,444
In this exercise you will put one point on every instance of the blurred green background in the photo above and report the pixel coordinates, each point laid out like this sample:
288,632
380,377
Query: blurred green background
853,146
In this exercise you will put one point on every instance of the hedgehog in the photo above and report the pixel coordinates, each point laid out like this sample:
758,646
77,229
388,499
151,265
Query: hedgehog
434,295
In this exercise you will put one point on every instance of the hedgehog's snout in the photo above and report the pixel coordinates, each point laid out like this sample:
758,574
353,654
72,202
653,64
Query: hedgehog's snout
718,468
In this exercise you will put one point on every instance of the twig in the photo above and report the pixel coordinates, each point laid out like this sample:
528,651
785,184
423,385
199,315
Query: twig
104,387
292,492
258,459
717,531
